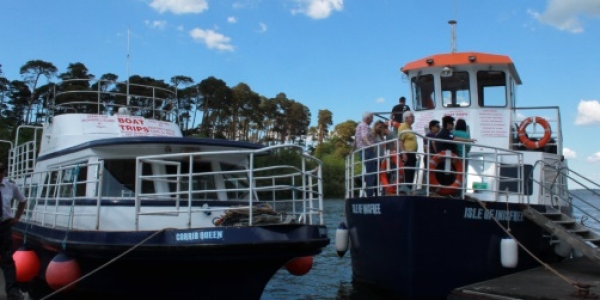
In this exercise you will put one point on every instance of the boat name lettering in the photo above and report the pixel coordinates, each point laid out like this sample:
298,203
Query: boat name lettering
205,235
366,209
500,215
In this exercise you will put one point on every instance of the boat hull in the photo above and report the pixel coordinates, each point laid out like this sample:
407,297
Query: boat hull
423,247
237,263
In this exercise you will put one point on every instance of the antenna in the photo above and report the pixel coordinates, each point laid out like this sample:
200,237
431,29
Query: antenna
453,24
128,67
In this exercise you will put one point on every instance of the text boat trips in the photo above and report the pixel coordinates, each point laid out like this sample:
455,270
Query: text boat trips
460,221
202,218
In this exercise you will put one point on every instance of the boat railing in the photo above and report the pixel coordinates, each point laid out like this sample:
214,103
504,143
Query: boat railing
289,189
72,195
484,174
22,155
556,188
550,114
107,97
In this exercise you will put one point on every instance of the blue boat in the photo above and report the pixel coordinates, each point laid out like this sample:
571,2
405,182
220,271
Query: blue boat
145,212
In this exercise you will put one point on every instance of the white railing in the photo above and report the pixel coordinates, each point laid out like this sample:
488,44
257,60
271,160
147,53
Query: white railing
71,195
485,174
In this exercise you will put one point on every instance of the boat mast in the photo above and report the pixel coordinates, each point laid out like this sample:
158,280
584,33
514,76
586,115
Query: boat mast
453,24
128,67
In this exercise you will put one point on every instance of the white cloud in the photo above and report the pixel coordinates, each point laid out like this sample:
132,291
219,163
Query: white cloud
156,24
180,6
318,9
180,28
588,112
212,39
569,154
380,100
595,158
263,28
566,14
231,20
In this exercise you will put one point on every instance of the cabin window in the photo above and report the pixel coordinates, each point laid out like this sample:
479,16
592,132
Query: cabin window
423,91
455,90
236,181
491,86
60,183
118,178
203,181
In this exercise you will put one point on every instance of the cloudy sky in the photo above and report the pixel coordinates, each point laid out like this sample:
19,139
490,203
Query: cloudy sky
341,55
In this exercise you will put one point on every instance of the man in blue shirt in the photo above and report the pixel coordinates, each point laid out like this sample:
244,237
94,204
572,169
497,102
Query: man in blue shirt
446,134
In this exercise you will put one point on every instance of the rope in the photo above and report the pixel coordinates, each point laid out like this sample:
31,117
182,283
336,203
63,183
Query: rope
104,265
72,210
546,266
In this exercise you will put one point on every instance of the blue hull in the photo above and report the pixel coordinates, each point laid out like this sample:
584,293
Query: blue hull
422,247
235,262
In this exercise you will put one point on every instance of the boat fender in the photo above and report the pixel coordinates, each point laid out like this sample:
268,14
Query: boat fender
300,266
61,271
341,239
509,253
534,144
27,264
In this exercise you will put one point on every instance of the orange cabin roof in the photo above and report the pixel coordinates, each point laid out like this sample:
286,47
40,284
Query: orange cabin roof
462,58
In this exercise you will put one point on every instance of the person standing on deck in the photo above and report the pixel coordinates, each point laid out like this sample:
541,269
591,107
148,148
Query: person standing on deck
408,146
8,192
365,137
398,111
446,134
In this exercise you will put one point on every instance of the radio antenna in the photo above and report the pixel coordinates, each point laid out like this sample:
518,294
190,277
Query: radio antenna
128,67
453,24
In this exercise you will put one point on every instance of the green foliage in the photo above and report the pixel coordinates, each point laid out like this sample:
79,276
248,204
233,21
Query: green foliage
333,176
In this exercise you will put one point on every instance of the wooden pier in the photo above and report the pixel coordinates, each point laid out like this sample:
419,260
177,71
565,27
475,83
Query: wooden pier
539,283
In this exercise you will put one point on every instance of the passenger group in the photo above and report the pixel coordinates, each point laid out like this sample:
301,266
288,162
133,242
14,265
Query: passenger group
401,121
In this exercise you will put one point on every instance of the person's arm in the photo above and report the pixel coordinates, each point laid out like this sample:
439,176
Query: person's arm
402,149
18,214
463,139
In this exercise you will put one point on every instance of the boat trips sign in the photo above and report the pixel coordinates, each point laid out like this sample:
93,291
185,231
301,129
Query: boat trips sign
127,126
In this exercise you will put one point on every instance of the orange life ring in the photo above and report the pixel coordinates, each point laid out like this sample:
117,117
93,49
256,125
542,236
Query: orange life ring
534,144
434,161
390,189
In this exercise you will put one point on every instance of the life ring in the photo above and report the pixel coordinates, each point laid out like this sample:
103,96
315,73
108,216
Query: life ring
390,189
534,144
434,161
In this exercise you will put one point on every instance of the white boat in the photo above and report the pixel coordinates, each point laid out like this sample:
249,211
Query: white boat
108,172
461,219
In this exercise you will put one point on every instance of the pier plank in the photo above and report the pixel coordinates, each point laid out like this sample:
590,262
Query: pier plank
537,283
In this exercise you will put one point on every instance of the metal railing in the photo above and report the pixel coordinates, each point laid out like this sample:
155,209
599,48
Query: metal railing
490,171
71,195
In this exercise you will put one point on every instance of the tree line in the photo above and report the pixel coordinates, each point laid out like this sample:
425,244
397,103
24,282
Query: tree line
235,113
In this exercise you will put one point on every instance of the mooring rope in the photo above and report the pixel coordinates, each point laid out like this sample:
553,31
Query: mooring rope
577,285
106,264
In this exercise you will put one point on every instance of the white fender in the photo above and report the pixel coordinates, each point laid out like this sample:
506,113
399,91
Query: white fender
509,253
341,239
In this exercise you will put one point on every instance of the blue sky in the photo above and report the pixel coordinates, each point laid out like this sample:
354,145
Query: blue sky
341,55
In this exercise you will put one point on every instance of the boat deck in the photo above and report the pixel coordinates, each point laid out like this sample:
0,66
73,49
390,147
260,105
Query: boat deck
538,283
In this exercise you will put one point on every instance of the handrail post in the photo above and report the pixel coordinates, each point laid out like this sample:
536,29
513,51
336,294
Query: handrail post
251,186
